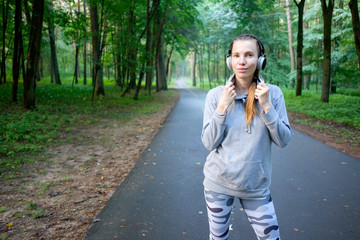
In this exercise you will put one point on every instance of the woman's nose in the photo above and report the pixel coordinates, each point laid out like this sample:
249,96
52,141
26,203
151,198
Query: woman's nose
242,60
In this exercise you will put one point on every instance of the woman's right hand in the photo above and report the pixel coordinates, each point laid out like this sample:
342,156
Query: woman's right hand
227,98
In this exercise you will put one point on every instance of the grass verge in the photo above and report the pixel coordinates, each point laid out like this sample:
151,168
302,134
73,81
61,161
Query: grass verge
341,109
24,134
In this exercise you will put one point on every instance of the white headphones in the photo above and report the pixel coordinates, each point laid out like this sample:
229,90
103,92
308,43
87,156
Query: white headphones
261,63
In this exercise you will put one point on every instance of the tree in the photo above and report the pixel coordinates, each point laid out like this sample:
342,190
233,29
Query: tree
353,5
54,61
327,10
161,83
84,45
5,10
150,48
98,82
16,51
299,49
288,18
33,54
193,67
148,10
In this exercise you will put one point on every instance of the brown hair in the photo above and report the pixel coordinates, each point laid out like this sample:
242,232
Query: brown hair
250,104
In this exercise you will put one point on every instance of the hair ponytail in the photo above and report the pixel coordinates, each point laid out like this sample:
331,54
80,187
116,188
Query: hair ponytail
250,104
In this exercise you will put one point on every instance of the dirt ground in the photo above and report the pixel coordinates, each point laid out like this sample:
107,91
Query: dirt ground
331,135
63,197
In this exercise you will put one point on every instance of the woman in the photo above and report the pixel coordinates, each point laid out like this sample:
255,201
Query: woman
241,120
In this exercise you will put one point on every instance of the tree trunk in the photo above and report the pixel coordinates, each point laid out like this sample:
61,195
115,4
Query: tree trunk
85,46
193,68
327,16
54,61
150,53
292,58
160,66
353,4
77,47
90,64
168,68
299,72
200,66
147,48
21,53
33,53
159,54
209,73
98,84
118,57
131,50
75,77
16,56
3,57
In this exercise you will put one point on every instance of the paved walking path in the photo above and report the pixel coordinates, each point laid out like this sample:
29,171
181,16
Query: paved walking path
315,188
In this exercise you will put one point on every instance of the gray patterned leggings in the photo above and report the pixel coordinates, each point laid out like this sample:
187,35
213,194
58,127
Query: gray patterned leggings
260,212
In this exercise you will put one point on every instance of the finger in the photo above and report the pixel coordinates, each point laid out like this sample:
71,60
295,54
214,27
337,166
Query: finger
262,84
229,84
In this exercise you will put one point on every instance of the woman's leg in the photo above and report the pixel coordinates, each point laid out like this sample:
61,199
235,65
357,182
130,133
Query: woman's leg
262,216
219,209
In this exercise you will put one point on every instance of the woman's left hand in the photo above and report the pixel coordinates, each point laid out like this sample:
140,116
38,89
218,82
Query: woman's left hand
262,94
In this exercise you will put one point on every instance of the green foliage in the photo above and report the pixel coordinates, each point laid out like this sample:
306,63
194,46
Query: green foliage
35,210
342,109
3,209
26,134
43,187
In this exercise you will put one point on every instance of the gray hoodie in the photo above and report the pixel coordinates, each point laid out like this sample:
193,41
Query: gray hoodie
239,163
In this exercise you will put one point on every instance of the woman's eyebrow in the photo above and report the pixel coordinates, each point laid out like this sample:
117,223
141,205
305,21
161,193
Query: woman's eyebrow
249,51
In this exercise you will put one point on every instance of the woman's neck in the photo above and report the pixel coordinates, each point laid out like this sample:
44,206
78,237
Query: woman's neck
242,85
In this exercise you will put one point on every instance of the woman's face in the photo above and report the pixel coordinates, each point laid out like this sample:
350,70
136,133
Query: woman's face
244,57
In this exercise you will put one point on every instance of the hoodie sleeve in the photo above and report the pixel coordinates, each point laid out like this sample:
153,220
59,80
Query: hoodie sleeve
277,120
213,123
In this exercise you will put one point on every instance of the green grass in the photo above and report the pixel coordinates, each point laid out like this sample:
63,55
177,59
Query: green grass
24,134
341,109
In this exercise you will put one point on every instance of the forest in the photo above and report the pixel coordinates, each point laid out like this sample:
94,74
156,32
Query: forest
82,80
137,44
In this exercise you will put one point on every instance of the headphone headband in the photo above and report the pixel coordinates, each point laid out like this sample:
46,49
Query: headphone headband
243,36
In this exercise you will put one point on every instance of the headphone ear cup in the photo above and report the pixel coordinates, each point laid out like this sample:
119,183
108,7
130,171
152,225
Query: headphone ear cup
228,63
261,63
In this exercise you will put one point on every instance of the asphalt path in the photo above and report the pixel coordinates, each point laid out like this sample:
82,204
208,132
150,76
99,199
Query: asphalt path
315,188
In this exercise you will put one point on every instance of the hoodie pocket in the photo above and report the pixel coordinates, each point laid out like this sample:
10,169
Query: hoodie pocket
245,175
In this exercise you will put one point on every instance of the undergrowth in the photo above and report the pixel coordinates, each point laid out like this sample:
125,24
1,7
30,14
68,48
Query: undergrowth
25,134
341,109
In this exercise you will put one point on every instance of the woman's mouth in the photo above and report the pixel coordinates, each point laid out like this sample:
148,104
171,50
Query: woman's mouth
242,69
